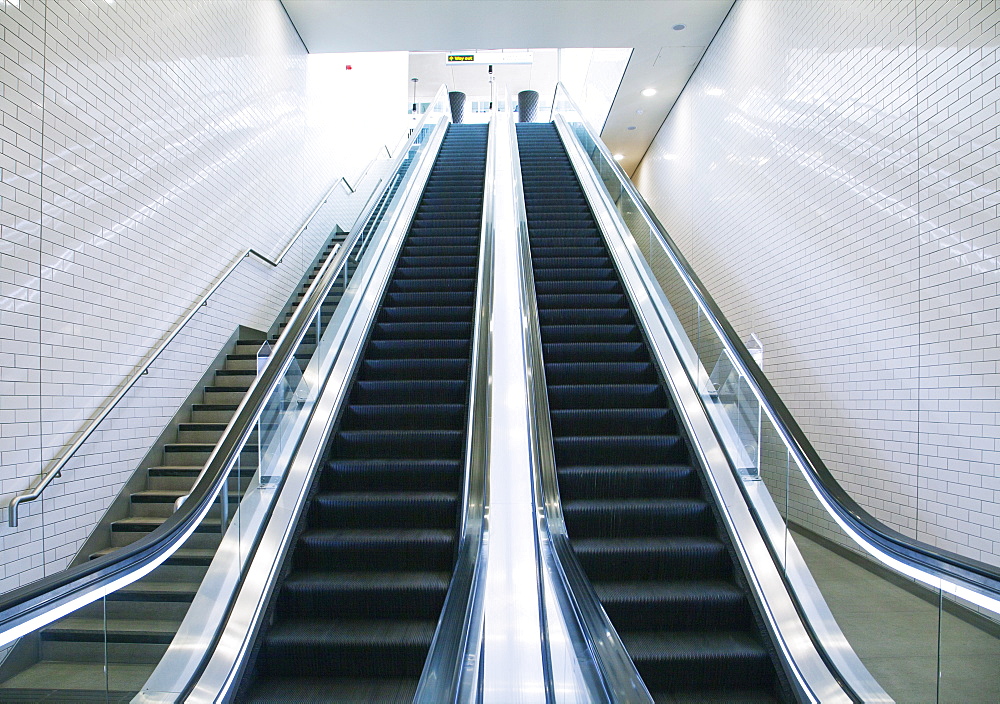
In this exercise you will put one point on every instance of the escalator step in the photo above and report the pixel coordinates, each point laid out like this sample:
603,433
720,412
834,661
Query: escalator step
339,594
628,482
345,690
348,648
405,416
375,550
698,659
674,605
646,517
409,474
652,558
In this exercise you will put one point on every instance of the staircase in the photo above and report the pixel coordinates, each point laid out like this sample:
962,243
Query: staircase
353,618
639,517
64,662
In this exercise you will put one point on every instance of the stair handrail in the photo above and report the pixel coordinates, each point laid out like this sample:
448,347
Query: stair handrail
956,574
27,608
60,462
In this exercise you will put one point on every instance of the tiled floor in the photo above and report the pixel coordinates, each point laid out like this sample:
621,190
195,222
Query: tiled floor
897,634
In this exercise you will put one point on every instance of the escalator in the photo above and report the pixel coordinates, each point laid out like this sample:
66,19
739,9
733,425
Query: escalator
636,506
355,612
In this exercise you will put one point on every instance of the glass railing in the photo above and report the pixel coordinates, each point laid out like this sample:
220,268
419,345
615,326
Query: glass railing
923,622
100,629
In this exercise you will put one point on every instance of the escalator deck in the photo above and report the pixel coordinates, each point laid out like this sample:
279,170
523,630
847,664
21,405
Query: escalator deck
354,616
638,516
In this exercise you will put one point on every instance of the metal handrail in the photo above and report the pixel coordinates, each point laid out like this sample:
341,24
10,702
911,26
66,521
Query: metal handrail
27,608
941,569
61,461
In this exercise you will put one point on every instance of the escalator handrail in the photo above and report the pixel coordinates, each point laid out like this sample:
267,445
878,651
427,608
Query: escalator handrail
928,563
26,608
449,673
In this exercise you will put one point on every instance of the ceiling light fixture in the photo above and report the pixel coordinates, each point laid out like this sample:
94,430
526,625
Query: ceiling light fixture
619,157
649,92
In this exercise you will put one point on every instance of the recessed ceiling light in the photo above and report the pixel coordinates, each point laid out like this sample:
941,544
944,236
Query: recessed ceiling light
619,157
679,27
631,127
649,92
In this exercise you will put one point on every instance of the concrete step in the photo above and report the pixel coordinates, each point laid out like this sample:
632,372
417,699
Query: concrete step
159,503
182,478
196,454
128,530
224,395
61,682
79,639
213,412
185,565
239,378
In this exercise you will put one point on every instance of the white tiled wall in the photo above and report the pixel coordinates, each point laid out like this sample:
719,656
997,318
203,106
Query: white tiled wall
144,145
831,172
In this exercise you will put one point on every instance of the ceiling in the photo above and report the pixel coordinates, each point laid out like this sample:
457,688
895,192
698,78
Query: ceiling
663,58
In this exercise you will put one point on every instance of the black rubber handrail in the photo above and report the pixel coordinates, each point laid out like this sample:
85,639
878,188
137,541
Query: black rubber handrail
27,608
975,575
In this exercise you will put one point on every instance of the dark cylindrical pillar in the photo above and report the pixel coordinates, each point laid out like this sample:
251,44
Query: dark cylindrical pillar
527,105
457,100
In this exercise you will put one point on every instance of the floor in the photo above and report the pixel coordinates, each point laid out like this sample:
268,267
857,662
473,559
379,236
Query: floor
896,633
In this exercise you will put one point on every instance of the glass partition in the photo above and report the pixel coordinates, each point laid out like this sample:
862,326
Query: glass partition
913,631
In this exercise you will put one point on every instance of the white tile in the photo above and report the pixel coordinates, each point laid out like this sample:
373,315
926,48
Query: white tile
838,200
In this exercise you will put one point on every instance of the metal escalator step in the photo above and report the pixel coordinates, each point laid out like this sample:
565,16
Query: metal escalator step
646,558
699,659
344,690
374,549
628,481
402,510
376,595
359,647
595,449
613,518
405,416
674,605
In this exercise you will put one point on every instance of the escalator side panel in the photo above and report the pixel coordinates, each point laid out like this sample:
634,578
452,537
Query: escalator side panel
354,617
637,512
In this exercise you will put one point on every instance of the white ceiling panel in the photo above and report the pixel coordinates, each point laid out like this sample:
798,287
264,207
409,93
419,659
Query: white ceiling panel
663,57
